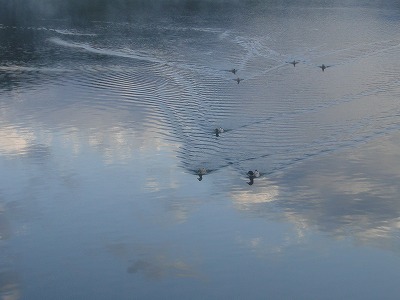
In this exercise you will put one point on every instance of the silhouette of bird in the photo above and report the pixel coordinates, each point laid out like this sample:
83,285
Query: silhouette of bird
252,175
238,80
294,62
200,173
233,71
218,131
323,67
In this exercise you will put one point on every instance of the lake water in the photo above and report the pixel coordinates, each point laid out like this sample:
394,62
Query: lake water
103,126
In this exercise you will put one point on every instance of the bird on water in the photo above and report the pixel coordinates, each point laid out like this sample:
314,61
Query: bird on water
252,175
294,62
218,131
323,67
233,71
200,173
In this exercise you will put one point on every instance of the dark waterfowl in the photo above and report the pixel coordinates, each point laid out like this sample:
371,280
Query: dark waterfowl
294,62
323,67
252,175
233,71
218,131
238,80
200,173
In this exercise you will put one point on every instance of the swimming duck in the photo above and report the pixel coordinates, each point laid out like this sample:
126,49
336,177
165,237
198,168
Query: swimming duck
233,71
250,174
294,62
218,131
238,80
254,174
323,67
200,173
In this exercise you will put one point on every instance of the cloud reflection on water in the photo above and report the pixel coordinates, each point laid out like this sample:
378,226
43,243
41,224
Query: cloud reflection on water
119,174
353,195
263,192
14,142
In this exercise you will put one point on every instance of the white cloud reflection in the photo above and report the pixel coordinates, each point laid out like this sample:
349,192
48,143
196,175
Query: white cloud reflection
14,141
351,195
264,192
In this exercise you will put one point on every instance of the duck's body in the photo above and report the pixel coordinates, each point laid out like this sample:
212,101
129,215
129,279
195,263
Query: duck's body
201,172
218,131
294,62
233,71
238,80
252,175
323,67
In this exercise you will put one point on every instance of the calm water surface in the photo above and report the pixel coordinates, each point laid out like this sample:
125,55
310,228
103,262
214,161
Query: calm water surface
103,127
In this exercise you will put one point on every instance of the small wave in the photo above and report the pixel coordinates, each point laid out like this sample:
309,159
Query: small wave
68,32
59,31
31,69
131,54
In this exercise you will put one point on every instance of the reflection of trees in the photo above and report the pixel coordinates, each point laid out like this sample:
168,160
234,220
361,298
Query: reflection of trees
17,46
12,12
26,57
24,11
17,49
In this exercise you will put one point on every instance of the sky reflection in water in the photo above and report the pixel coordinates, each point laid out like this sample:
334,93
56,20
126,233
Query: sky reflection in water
101,136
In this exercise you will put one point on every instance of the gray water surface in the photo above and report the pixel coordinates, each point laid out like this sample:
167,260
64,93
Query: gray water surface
104,125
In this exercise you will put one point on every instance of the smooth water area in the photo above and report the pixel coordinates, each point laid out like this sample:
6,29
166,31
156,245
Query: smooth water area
104,125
